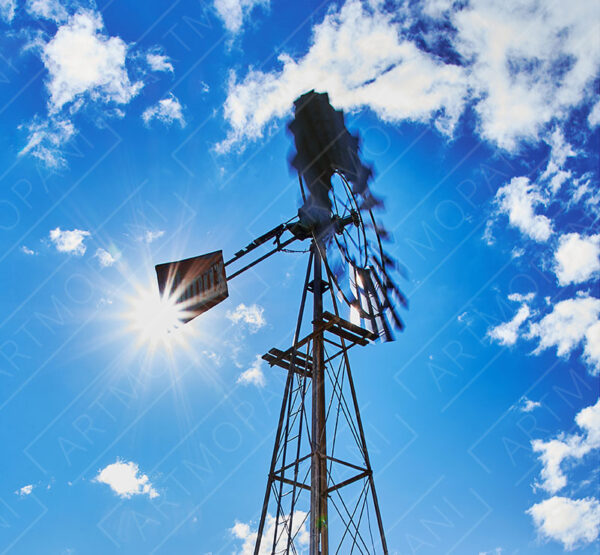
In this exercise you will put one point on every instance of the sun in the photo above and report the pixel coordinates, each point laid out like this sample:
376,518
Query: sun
155,320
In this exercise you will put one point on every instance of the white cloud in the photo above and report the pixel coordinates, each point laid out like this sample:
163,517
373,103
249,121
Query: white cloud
84,65
527,405
81,60
46,138
560,150
71,241
7,9
577,258
518,200
524,66
497,551
168,111
573,522
47,9
571,322
594,117
105,258
521,298
233,12
26,250
572,447
25,490
150,236
507,333
252,315
125,479
242,531
358,56
159,62
517,54
254,375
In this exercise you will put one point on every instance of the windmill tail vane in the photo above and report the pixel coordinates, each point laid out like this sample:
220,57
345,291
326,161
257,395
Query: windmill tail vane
320,493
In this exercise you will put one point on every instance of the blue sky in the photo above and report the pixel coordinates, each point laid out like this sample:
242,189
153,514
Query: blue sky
135,134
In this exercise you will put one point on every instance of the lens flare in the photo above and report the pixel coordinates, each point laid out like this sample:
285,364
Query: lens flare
155,321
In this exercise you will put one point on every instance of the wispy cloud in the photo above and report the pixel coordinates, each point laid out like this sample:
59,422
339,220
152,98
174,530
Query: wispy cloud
126,480
26,250
47,9
252,315
233,12
70,241
46,139
167,111
150,236
7,9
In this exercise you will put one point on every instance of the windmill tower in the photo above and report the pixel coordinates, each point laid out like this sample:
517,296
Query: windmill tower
320,495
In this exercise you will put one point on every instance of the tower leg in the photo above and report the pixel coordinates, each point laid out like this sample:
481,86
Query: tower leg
318,494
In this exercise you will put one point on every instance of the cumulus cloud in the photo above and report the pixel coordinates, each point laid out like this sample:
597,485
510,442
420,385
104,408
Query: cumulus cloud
358,56
518,200
523,66
577,258
70,241
82,60
507,333
26,250
168,111
252,315
572,322
7,9
125,479
254,375
25,490
573,522
233,12
529,63
106,258
553,453
85,67
300,534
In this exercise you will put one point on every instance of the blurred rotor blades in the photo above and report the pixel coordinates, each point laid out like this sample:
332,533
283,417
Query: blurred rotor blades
324,146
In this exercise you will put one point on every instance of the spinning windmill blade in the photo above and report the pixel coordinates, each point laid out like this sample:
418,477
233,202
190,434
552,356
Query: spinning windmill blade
328,161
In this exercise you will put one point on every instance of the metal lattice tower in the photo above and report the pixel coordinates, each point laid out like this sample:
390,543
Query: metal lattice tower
320,479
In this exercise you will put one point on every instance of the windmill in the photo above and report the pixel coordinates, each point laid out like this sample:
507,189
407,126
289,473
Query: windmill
320,490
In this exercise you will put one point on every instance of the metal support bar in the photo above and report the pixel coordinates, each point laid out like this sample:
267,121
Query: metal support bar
349,481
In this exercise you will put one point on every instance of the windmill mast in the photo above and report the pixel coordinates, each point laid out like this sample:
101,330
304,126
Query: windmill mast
318,491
